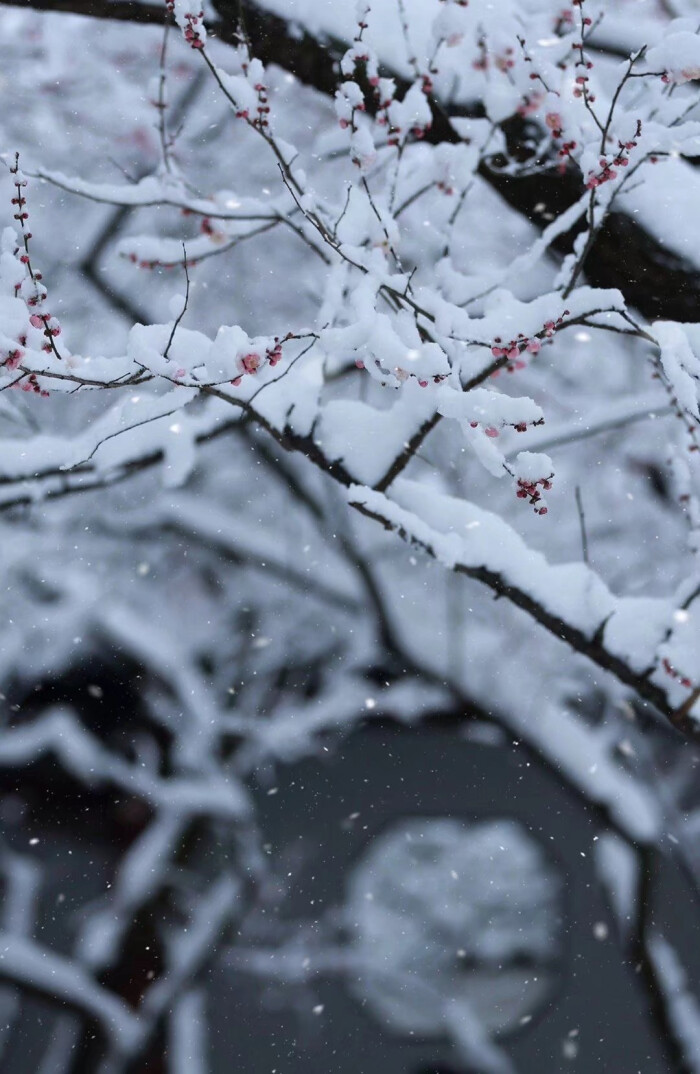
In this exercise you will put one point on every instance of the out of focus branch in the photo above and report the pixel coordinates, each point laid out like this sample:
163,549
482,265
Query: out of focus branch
659,968
60,980
60,734
120,10
593,648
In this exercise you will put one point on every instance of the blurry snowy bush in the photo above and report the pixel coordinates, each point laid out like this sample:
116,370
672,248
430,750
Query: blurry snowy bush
480,952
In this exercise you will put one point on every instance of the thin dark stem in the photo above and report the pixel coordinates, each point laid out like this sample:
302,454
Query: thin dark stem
582,525
181,314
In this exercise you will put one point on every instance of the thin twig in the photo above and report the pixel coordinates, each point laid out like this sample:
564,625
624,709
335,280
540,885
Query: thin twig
176,323
582,525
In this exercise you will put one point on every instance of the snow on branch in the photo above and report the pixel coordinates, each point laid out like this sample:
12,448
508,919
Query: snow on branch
404,338
58,732
683,1008
621,636
58,979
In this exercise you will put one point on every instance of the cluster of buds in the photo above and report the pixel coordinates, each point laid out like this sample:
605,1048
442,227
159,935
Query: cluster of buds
50,326
566,150
51,329
402,375
528,490
520,427
32,295
534,76
251,92
550,327
359,62
530,103
581,85
621,159
687,74
360,68
514,350
246,91
11,358
606,173
29,287
503,61
673,673
274,354
143,263
348,101
191,31
399,128
565,19
20,202
362,13
554,123
261,118
395,133
680,414
446,187
194,25
156,263
215,234
248,364
31,384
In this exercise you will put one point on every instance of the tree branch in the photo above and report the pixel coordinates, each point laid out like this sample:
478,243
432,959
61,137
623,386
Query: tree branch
659,283
59,980
592,647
